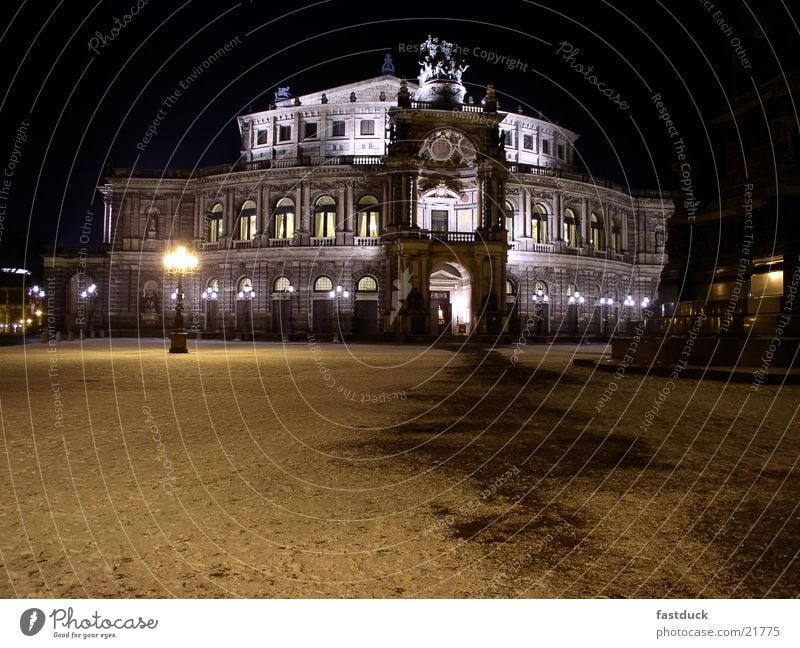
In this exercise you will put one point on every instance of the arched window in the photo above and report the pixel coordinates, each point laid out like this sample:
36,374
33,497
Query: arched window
571,289
510,289
616,236
245,288
325,217
323,284
282,285
368,217
598,232
367,284
212,290
247,221
571,228
509,222
539,224
284,219
214,231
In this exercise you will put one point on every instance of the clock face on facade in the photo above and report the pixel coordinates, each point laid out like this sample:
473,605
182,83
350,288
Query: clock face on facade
448,147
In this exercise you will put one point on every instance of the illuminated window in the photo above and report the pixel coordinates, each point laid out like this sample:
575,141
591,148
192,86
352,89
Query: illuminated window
281,284
323,284
284,219
247,221
367,284
616,237
215,224
539,224
439,220
510,290
598,232
368,217
325,217
571,229
510,211
527,142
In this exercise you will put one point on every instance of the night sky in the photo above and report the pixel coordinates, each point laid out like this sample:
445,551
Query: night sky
82,111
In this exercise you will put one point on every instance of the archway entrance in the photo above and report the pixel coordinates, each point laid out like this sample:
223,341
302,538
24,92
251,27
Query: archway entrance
450,300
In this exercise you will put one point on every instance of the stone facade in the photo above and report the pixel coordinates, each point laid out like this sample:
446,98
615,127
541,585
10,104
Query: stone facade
363,210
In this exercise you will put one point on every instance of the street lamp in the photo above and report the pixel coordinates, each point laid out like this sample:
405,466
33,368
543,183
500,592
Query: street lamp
540,305
629,303
606,303
338,294
36,296
179,262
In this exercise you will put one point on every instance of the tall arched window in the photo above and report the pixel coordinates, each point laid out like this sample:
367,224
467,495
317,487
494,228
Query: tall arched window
598,232
247,221
368,217
540,289
571,228
325,217
284,219
214,230
616,236
539,224
510,211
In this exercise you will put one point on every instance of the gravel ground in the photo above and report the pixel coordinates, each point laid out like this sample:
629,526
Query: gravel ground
269,470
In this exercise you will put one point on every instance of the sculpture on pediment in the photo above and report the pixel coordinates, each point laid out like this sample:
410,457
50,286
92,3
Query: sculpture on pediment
282,93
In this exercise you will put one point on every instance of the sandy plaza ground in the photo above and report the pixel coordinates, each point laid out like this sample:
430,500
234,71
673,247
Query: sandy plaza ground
330,470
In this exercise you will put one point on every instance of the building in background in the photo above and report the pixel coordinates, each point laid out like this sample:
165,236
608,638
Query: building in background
378,208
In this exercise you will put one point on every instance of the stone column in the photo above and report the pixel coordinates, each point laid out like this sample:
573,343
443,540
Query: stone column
557,217
586,226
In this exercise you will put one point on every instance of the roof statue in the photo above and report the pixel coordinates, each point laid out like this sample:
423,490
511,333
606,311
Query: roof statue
440,72
437,61
282,93
388,65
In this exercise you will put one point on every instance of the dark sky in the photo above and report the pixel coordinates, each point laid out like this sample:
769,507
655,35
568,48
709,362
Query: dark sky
87,110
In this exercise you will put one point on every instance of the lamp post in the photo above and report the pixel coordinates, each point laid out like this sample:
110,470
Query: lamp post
290,289
86,297
36,296
179,262
338,295
540,305
606,303
575,300
628,304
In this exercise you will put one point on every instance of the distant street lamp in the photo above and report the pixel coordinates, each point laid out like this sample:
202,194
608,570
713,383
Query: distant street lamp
540,309
606,303
179,262
629,303
575,300
338,294
37,296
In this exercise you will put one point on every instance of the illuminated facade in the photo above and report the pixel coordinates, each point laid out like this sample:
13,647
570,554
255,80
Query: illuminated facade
378,208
